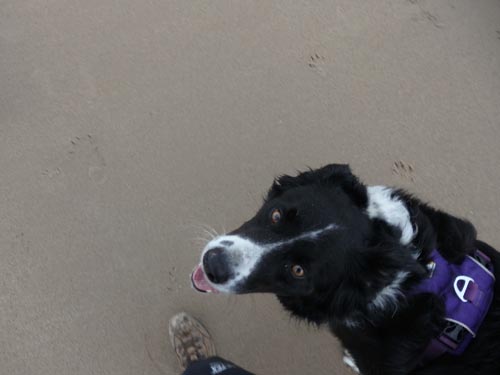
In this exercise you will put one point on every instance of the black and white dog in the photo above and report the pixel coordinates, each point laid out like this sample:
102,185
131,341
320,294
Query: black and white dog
337,252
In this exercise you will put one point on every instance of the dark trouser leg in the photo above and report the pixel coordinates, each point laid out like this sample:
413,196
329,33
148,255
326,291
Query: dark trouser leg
214,366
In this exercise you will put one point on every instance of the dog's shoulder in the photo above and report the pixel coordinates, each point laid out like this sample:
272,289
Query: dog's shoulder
421,225
454,237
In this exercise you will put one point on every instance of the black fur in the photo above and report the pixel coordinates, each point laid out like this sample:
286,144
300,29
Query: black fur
345,269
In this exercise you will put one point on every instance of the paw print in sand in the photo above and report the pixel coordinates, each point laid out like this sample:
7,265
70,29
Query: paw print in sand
315,62
315,59
404,170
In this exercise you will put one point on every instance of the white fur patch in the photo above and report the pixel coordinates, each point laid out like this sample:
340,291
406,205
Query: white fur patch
382,205
244,254
389,295
349,361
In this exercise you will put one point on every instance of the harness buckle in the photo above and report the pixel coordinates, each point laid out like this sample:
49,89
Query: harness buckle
453,334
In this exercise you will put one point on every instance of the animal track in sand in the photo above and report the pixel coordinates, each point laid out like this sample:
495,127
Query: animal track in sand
315,62
83,152
88,146
404,170
173,280
427,15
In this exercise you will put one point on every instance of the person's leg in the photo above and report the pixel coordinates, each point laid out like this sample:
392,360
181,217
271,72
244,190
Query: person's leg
195,349
213,366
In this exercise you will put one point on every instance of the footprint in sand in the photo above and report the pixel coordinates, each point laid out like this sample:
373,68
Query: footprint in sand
315,62
404,170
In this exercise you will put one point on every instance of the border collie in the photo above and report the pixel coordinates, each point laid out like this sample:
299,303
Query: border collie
407,289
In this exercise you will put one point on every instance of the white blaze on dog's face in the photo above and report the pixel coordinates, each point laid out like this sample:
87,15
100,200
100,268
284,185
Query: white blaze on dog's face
229,260
303,230
226,261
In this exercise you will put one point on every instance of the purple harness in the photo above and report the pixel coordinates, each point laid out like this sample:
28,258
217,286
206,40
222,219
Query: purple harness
467,291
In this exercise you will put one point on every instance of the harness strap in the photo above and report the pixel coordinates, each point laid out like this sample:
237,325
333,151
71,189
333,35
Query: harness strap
449,340
478,293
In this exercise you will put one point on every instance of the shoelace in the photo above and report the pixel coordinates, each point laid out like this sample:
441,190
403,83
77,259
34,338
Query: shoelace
191,349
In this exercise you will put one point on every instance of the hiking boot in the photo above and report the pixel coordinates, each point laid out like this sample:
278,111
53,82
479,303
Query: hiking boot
190,339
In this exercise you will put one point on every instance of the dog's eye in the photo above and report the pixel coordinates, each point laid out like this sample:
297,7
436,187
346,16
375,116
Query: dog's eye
298,271
276,216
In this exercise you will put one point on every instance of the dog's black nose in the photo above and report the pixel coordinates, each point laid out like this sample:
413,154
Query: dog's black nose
216,265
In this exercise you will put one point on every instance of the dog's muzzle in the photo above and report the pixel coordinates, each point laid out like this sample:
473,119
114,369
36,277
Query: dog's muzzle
213,270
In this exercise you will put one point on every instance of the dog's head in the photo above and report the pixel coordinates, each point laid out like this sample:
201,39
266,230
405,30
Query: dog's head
299,238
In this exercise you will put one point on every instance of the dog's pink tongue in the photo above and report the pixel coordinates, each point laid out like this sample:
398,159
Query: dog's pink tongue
200,282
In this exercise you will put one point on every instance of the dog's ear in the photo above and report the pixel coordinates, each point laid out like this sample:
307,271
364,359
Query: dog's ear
330,175
341,175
